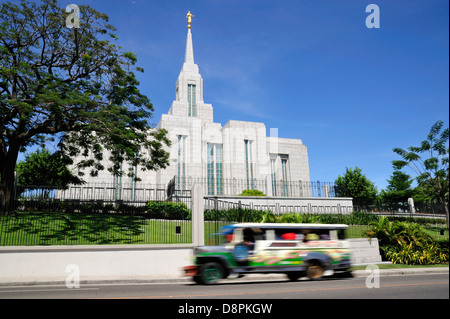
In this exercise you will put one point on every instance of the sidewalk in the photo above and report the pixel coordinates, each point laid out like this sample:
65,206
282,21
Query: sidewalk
247,278
404,271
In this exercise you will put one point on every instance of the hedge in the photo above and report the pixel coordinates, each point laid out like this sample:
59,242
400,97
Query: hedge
171,210
168,210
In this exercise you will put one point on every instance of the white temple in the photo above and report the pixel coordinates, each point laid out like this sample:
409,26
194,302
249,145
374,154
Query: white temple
225,159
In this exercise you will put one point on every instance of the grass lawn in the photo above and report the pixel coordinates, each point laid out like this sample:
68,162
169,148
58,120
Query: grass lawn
356,231
39,228
43,228
436,234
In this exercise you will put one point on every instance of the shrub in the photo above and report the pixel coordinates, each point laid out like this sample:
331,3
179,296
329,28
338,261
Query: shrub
425,254
248,215
235,215
251,192
290,218
406,243
269,217
168,210
394,233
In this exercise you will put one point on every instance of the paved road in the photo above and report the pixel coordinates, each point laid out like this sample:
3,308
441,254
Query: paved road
434,286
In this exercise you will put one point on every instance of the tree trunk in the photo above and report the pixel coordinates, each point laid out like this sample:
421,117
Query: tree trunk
7,180
7,199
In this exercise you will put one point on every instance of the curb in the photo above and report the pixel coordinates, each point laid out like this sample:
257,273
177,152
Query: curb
246,278
403,271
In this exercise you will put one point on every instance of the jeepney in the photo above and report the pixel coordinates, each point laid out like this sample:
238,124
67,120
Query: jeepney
297,250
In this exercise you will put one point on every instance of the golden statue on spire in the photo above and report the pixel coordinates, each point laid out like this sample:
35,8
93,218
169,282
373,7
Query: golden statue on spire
189,19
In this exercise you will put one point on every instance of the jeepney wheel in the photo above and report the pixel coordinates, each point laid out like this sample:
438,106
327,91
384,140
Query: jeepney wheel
209,274
197,279
294,275
314,271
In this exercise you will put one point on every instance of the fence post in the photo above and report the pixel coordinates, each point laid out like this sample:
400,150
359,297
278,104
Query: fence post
269,191
239,211
198,224
326,190
412,209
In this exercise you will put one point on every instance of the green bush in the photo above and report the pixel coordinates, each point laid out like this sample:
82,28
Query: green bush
249,215
427,253
269,217
251,192
168,210
393,233
235,215
406,243
352,219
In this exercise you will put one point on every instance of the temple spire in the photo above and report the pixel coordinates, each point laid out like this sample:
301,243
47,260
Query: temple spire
189,55
189,88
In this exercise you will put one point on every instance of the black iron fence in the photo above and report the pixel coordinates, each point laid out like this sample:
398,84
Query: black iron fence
94,214
235,186
396,207
134,214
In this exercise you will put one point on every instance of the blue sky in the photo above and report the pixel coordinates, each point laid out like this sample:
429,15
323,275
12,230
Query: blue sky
312,69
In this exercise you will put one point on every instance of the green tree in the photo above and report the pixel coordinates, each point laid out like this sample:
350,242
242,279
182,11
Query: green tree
421,195
73,84
42,168
398,190
357,185
429,161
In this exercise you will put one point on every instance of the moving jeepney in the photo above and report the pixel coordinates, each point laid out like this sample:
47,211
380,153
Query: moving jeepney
297,250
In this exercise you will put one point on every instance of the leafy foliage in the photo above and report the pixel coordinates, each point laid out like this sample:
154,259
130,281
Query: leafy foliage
261,216
44,168
75,85
430,162
406,243
425,254
167,210
357,185
234,215
251,192
398,189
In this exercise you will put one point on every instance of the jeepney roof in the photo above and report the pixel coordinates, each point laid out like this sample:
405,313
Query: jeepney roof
290,225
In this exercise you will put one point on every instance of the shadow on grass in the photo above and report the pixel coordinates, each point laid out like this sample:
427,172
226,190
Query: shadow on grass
46,228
